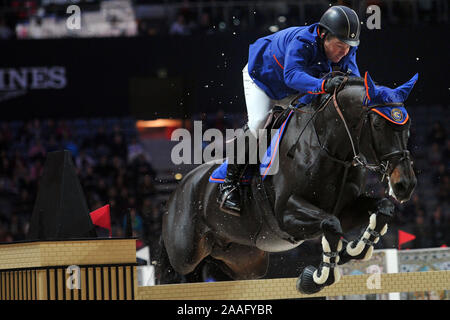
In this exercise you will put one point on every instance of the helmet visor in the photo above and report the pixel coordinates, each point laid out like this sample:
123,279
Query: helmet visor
350,42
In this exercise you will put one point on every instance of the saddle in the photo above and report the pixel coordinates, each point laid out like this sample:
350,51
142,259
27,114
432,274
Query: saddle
277,120
276,117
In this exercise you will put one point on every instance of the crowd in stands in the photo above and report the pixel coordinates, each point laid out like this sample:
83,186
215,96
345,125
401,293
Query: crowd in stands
111,165
187,17
427,214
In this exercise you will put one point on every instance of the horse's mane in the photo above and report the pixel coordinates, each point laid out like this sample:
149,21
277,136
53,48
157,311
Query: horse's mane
352,81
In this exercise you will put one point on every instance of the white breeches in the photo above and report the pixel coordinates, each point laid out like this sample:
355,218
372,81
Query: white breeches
258,103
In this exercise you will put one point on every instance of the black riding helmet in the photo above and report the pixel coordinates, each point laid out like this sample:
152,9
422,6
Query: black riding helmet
342,22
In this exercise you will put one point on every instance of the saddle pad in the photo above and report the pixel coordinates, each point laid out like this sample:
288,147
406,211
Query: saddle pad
219,174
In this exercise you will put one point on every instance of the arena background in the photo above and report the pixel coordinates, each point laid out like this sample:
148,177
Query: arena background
102,92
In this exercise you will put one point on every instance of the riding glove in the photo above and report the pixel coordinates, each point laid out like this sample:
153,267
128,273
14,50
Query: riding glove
333,83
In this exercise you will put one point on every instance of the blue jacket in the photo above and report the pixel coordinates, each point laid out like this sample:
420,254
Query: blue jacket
291,61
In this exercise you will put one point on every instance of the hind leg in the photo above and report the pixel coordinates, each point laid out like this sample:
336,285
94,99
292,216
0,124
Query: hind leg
187,249
242,262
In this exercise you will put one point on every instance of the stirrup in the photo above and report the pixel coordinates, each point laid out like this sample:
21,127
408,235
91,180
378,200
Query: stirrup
224,208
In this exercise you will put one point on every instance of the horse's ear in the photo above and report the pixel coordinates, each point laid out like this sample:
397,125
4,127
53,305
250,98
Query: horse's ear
404,90
370,86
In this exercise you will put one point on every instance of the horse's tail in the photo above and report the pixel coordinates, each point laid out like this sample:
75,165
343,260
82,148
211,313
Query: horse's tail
164,272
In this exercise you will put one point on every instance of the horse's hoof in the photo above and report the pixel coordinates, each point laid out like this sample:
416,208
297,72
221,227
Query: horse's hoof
305,282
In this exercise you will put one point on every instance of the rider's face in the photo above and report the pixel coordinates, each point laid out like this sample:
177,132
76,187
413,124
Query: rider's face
335,49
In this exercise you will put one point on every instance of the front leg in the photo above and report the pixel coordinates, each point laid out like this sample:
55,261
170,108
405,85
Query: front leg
303,220
380,216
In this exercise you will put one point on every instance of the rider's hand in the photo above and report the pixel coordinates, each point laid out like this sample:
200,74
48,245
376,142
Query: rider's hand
333,83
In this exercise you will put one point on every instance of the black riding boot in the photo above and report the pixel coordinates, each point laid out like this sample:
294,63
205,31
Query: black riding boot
229,191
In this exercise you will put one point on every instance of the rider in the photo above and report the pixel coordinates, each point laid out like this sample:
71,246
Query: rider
289,62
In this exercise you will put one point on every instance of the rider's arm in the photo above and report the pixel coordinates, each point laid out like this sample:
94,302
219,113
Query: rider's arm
298,54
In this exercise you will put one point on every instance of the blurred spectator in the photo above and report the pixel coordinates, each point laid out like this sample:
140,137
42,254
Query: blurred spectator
5,235
446,154
71,145
179,26
5,135
101,138
24,9
89,179
5,167
16,228
437,134
48,130
422,232
136,223
118,147
5,32
37,168
435,156
443,192
100,142
409,211
52,144
102,189
205,25
439,173
140,167
134,149
83,160
104,168
24,204
62,130
425,9
154,231
146,188
20,171
439,227
37,150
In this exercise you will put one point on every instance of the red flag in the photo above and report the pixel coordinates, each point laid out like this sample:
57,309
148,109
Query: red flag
102,218
404,237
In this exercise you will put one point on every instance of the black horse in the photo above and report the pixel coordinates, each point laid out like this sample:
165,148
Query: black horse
324,156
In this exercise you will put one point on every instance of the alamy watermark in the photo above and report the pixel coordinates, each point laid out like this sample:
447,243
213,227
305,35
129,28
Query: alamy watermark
212,146
374,20
373,282
73,282
73,22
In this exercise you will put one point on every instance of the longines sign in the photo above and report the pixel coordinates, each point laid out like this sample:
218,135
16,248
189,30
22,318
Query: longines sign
16,82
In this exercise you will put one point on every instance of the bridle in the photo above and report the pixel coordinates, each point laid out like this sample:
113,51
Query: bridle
383,162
